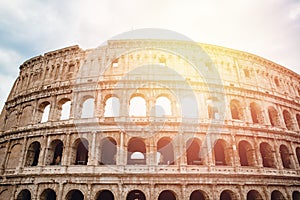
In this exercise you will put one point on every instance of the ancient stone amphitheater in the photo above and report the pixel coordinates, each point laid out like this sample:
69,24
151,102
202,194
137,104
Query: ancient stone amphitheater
151,119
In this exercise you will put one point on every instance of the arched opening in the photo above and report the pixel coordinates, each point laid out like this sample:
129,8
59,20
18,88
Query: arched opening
108,151
81,147
246,154
55,153
277,195
136,152
5,194
273,116
64,106
24,195
267,155
276,81
167,194
296,195
236,110
14,156
254,195
189,107
74,195
26,116
298,154
163,107
44,110
193,152
227,195
112,107
48,194
285,157
105,195
198,195
213,112
136,195
256,113
288,120
166,152
87,108
221,154
298,120
33,152
137,107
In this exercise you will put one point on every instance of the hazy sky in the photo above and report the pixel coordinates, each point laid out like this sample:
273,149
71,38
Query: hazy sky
268,28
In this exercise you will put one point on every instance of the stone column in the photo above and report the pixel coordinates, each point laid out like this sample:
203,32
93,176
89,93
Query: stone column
277,156
92,151
23,154
67,151
3,164
259,162
44,151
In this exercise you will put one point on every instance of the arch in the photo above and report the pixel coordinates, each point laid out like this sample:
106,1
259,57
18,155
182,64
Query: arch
288,120
74,195
193,152
256,113
26,116
285,157
277,195
24,195
112,107
48,194
227,195
189,107
273,116
55,152
104,195
108,151
44,111
87,110
246,153
64,108
296,195
166,152
5,194
81,151
167,194
221,153
11,119
14,156
137,106
199,195
298,120
135,195
298,154
267,155
33,152
236,110
136,152
254,195
163,107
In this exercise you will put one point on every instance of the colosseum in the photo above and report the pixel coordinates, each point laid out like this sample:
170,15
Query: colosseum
141,119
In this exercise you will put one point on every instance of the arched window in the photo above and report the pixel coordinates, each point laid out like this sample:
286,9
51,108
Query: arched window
256,113
276,81
193,152
136,152
81,147
137,106
75,194
33,152
213,111
236,110
112,107
163,107
55,153
167,194
254,195
26,116
87,108
285,157
105,195
246,154
48,194
273,116
267,155
64,108
45,111
221,153
298,120
136,195
288,120
14,156
166,152
228,195
108,151
296,195
277,195
24,195
298,154
198,195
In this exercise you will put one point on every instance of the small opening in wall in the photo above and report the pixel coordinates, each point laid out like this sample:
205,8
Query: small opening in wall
247,73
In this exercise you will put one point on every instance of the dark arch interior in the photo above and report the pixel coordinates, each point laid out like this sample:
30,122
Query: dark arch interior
276,195
105,195
219,152
136,195
197,195
24,195
296,195
108,151
254,195
48,194
166,195
74,195
226,195
82,152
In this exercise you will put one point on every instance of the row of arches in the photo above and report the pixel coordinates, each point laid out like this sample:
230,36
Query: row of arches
49,194
136,150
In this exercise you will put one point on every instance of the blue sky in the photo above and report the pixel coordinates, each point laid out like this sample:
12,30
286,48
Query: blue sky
269,28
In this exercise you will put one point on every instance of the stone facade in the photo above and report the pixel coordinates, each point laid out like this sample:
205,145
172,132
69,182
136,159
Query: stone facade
151,119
